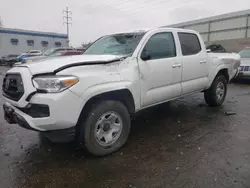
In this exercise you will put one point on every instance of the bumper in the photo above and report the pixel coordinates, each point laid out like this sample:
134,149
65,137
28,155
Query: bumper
64,111
12,117
243,75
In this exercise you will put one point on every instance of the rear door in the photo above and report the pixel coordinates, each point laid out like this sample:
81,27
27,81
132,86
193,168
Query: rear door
194,61
161,72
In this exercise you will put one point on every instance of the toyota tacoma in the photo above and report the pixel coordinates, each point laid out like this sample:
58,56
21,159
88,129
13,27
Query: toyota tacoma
94,95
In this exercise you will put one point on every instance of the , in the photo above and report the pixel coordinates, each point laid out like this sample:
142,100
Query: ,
94,94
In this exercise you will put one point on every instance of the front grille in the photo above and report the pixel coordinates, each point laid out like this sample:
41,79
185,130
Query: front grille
13,86
246,68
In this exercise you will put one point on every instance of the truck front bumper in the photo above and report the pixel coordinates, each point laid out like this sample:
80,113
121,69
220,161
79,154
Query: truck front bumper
12,116
63,111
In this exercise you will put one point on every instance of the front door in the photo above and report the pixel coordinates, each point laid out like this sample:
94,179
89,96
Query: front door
160,69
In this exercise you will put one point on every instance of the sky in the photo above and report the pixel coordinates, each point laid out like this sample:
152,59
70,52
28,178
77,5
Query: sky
94,18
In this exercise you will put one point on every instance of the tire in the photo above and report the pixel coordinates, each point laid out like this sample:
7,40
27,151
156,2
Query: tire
99,123
212,96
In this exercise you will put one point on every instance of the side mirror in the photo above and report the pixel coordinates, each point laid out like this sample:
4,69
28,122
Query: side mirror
209,50
145,55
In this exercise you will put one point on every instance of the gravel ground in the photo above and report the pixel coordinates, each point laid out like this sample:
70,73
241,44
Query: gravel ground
183,143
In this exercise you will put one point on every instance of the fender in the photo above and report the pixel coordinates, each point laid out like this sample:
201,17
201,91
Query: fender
113,86
214,72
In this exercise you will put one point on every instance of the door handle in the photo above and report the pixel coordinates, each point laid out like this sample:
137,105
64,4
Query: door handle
176,65
203,61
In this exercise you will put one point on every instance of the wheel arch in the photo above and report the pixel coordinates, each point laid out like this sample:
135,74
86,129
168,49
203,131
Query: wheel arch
223,72
220,70
123,95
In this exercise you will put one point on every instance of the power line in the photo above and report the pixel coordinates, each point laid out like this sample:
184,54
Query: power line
67,12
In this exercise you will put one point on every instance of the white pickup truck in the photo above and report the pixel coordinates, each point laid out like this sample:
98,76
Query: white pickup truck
94,94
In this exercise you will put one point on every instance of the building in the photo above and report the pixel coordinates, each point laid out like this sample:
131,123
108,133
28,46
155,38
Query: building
15,41
230,30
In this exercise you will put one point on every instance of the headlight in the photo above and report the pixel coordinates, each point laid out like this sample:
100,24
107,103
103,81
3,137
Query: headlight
54,84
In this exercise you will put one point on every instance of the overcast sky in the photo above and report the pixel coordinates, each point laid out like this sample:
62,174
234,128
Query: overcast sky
94,18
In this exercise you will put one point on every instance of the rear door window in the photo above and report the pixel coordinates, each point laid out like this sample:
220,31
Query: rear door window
190,44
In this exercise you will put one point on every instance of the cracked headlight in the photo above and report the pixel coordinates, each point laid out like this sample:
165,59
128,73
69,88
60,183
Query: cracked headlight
54,84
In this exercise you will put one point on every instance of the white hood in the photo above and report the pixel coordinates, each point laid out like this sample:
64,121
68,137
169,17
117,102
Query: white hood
51,64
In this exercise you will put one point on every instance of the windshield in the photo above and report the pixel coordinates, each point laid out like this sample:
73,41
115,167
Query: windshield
119,44
245,53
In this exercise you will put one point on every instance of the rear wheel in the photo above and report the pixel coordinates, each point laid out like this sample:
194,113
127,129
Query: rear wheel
106,128
216,94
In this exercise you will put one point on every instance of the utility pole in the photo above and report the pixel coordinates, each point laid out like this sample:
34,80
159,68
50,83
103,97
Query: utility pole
1,22
68,16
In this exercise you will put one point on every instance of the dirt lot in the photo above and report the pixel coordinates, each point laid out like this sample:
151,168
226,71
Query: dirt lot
179,144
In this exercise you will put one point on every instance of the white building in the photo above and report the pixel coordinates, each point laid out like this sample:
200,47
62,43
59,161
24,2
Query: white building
230,30
15,41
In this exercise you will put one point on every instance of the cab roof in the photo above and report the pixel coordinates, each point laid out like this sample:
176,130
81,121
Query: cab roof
153,29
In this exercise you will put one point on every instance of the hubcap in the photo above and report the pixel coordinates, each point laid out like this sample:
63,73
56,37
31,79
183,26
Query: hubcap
220,90
108,128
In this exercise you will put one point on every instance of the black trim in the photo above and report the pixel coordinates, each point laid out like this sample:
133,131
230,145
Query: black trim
86,63
36,110
41,91
30,96
22,122
14,91
12,117
44,74
189,34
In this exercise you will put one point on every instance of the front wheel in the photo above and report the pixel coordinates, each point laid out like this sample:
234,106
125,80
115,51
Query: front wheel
216,94
106,128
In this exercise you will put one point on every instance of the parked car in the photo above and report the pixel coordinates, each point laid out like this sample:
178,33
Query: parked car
48,53
55,54
80,49
67,53
54,50
34,53
9,59
244,70
30,53
93,95
216,48
1,61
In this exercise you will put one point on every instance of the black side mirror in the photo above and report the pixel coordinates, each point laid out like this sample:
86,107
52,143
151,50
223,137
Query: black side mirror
145,55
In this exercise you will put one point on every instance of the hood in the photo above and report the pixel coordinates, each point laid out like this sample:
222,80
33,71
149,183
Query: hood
56,64
245,62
